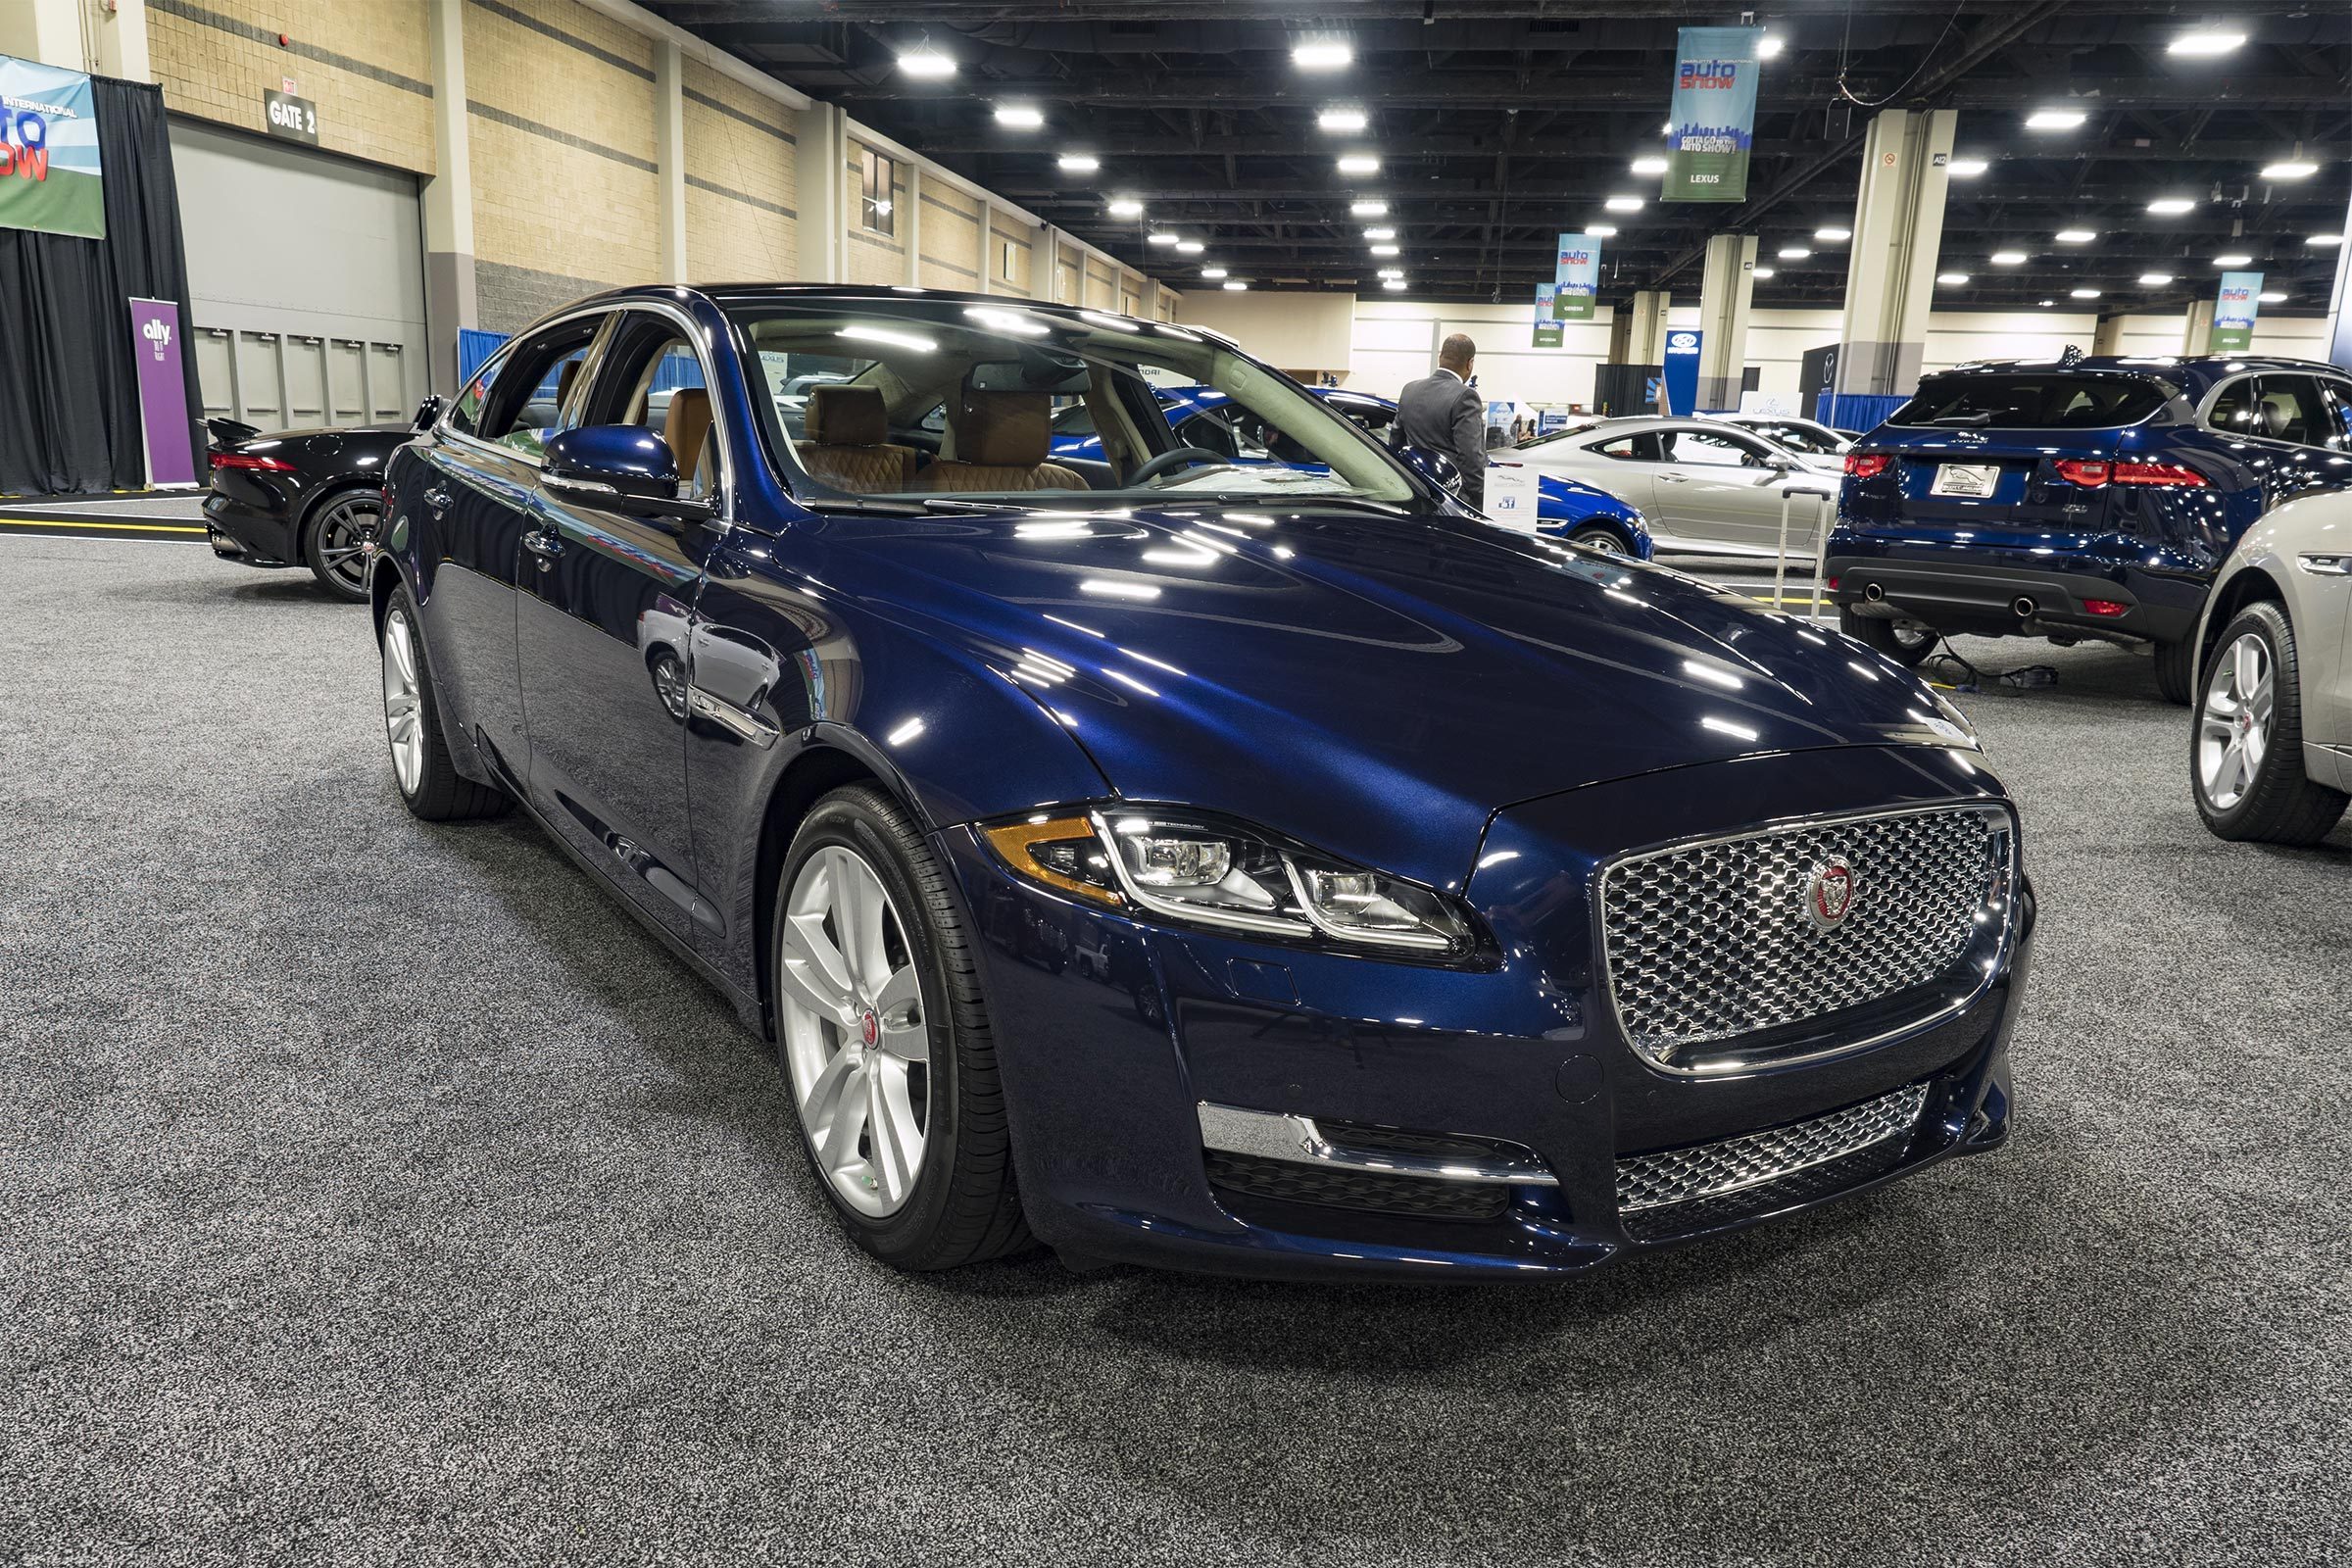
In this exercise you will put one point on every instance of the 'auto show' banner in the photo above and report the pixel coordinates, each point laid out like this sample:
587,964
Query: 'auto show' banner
1575,281
49,179
162,391
1714,115
2233,312
1547,326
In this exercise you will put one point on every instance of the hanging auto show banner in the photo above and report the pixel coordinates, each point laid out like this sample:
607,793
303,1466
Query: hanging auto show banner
1547,326
162,391
49,179
2233,312
1713,116
1576,279
1682,372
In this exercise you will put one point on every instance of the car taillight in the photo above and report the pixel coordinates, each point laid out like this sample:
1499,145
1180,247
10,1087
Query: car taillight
1866,465
2169,473
2104,606
246,460
2079,471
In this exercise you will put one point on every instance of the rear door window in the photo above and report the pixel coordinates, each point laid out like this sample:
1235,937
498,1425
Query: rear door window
1641,447
2030,401
2293,410
2339,415
1709,450
2237,411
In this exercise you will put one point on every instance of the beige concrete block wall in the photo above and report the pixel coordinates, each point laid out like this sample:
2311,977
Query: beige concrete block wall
742,182
565,191
1101,285
951,237
874,259
365,62
1023,238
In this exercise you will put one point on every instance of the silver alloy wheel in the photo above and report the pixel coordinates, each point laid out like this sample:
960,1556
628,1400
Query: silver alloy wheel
346,531
1601,540
403,711
854,1041
2234,733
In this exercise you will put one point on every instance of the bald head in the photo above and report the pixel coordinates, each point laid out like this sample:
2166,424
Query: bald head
1456,353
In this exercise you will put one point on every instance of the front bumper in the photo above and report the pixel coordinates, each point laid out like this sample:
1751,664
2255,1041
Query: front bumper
1515,1073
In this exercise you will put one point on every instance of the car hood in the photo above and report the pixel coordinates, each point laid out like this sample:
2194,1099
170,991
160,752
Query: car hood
1372,683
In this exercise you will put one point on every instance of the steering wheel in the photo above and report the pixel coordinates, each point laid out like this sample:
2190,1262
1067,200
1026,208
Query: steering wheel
1155,467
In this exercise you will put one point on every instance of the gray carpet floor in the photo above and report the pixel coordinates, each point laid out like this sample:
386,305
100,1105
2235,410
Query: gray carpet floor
371,1192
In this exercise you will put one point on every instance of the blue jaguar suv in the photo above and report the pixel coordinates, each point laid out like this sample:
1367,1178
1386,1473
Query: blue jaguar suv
1565,508
1252,867
2077,498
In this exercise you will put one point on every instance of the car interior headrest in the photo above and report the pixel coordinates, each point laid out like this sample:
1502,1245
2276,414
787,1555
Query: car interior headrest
563,379
687,427
1001,429
2275,416
846,417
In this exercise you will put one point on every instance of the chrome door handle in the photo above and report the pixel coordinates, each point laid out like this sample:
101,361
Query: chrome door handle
1674,478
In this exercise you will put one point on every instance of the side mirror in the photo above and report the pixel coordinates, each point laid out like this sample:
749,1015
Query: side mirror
619,467
1434,467
428,412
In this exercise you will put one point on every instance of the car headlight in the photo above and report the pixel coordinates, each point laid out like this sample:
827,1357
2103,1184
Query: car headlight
1203,870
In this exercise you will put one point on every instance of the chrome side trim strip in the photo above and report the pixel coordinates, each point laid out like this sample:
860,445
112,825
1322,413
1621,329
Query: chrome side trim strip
736,722
1273,1135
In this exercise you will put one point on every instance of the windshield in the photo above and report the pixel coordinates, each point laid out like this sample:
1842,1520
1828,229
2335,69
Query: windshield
920,398
2039,401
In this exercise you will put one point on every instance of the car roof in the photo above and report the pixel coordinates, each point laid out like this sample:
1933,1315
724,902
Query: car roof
2195,372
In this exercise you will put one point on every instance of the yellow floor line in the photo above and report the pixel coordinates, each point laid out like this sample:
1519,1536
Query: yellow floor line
126,528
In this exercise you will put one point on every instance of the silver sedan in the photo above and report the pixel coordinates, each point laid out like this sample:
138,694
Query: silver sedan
1704,485
2271,753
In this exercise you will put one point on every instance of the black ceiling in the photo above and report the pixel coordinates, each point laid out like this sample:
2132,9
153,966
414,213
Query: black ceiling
1499,126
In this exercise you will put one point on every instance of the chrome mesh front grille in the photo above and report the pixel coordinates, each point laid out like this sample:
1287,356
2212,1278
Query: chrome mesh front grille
1712,941
1707,1170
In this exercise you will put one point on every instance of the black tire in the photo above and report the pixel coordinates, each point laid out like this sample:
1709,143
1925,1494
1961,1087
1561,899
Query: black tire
2176,671
2282,804
965,1206
440,794
1906,648
334,514
1595,537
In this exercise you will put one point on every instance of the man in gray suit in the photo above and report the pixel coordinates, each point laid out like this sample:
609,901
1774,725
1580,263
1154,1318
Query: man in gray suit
1443,412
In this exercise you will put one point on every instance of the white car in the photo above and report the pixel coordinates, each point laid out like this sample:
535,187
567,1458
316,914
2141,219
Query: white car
2271,752
1706,487
1808,436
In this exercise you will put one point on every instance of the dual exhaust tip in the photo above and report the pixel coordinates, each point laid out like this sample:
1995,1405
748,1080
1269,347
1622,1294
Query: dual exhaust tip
2022,605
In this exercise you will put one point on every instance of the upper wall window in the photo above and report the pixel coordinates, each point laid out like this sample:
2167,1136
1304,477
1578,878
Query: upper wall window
877,205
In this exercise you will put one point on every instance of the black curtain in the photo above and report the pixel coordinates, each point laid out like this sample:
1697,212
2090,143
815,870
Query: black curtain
69,384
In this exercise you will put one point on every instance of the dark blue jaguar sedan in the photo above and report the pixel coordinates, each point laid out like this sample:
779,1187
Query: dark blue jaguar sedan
1245,867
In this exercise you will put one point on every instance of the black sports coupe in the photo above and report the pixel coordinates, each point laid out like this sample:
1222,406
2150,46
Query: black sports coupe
311,498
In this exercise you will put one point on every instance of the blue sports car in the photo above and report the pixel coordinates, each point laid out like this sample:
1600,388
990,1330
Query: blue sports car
1565,508
1258,867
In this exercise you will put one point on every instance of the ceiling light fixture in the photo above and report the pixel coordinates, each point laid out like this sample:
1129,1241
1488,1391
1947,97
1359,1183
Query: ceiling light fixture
1965,168
2205,43
1126,207
2009,258
1190,247
2172,206
925,63
2046,303
1392,271
1078,163
1649,166
1833,233
2273,295
1769,47
2083,293
2076,236
1234,285
2233,259
2291,168
1161,238
1794,253
1623,204
1368,208
1601,231
1342,120
2154,279
2055,118
1212,273
1360,163
1394,285
1380,233
1955,279
1020,116
2323,241
1763,273
1385,250
1322,54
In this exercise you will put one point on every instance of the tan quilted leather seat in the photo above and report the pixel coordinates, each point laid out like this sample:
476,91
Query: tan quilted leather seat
846,442
1000,441
686,430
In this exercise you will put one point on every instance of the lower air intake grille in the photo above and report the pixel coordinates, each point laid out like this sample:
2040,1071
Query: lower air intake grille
1710,1170
1288,1182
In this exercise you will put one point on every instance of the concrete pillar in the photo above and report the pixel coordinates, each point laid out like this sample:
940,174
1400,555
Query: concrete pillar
988,246
826,202
450,302
1891,272
910,226
1727,285
46,31
2197,329
122,41
669,158
1644,328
